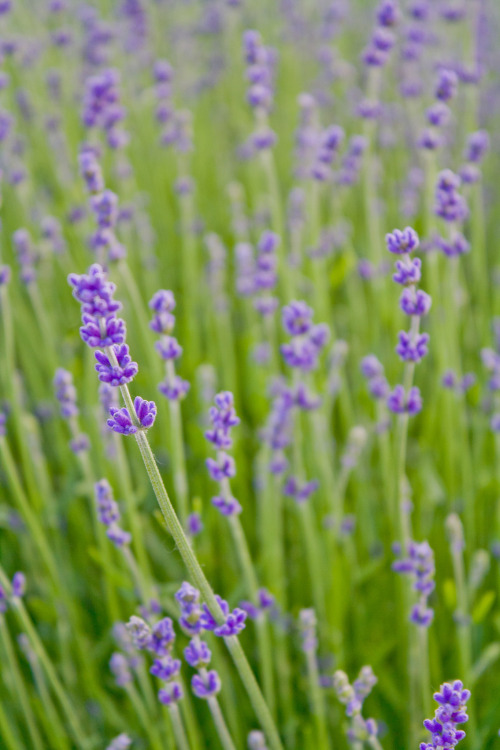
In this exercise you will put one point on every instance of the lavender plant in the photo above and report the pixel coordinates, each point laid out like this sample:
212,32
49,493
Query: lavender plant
228,170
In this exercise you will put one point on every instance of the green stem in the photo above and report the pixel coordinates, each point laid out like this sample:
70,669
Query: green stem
178,727
197,575
20,687
220,724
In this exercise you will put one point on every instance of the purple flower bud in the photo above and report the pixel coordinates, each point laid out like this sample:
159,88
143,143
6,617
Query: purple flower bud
119,666
121,421
174,389
297,318
165,667
399,403
222,468
18,584
170,694
207,685
478,144
146,411
415,302
227,506
446,86
235,623
124,372
402,242
168,348
197,654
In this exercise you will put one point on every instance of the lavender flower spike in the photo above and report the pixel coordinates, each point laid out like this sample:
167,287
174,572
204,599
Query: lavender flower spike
451,712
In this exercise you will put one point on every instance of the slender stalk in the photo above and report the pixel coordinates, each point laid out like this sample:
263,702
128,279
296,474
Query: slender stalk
20,687
220,724
38,648
178,727
174,527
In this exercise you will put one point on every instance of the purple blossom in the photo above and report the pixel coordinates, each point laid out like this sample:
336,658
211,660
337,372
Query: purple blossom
146,411
119,666
478,144
162,637
235,623
120,374
65,393
197,654
121,421
227,506
451,712
408,271
174,388
297,318
103,332
446,86
412,348
415,302
402,242
168,348
171,693
206,685
222,468
165,667
18,585
400,403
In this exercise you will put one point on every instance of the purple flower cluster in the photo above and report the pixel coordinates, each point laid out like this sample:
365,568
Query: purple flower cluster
415,303
452,711
18,590
352,160
419,564
353,697
308,630
260,61
121,420
159,640
205,684
162,303
377,52
453,382
223,418
299,491
65,393
26,256
108,514
114,366
265,277
373,371
195,618
308,340
265,603
327,148
102,109
450,205
438,115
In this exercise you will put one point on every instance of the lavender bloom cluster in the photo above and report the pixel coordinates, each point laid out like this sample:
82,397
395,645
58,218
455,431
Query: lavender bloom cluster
451,206
173,387
260,61
109,514
65,393
196,617
104,206
451,712
419,564
353,697
18,590
102,108
439,114
415,303
102,328
223,418
158,640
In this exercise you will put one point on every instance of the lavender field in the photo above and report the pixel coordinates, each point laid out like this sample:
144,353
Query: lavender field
249,374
